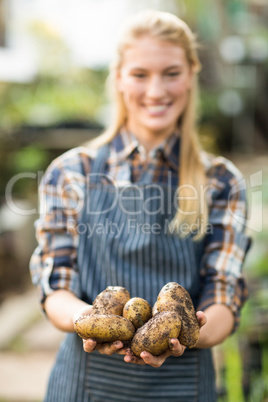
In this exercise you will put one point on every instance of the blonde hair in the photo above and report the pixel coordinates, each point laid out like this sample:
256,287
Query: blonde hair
193,210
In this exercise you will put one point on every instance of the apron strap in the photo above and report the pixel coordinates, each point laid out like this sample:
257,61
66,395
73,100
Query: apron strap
98,164
97,170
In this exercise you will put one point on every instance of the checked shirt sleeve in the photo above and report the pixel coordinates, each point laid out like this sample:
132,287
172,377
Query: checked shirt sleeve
53,264
226,243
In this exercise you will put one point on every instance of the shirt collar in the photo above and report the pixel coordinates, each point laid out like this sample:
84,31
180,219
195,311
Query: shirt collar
125,143
171,149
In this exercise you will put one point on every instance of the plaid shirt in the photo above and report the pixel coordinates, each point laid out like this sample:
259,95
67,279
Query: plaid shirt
54,262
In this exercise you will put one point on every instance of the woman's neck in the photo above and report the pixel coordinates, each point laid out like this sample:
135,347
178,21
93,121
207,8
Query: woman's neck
149,139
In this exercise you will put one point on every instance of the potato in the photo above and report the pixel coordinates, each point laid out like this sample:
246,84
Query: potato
154,310
111,300
104,328
138,311
155,334
173,297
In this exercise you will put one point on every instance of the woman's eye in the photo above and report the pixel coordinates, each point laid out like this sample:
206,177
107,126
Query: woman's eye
173,73
139,75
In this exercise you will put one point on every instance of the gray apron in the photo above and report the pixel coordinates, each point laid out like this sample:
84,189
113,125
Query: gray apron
124,242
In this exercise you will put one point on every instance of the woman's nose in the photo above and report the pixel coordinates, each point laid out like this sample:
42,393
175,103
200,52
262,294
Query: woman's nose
155,87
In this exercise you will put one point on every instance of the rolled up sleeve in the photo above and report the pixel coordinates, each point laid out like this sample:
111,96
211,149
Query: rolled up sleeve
53,264
226,243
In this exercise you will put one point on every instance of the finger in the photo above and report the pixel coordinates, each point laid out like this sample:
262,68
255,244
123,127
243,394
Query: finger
155,361
130,358
110,348
89,345
134,360
123,351
201,317
176,348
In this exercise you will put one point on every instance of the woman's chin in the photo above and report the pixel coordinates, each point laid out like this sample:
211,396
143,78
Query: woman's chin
159,129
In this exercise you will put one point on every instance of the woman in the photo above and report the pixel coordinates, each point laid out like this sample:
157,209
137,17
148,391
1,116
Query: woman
139,207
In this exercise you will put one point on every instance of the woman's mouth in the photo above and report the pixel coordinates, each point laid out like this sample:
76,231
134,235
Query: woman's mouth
157,110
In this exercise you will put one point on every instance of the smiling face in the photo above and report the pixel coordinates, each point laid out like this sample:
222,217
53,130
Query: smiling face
154,79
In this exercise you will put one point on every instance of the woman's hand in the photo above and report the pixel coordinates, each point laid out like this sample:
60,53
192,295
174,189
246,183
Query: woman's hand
175,349
107,348
220,323
89,345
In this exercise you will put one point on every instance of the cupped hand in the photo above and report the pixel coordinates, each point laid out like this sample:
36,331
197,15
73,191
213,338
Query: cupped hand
107,348
175,349
90,344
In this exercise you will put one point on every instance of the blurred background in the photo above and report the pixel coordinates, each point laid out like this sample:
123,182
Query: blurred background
54,58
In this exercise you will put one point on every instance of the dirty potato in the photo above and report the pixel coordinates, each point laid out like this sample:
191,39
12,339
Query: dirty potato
173,297
154,309
154,336
111,301
104,328
138,311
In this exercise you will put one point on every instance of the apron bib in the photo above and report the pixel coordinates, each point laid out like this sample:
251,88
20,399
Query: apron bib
124,241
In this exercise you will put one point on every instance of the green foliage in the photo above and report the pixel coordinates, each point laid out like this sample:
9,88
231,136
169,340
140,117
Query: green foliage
60,90
29,159
259,389
233,370
49,100
25,162
209,102
261,267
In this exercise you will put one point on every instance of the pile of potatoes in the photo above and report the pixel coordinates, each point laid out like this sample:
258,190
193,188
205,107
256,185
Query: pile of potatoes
116,316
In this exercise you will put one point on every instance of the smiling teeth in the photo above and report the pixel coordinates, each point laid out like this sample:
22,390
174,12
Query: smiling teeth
156,109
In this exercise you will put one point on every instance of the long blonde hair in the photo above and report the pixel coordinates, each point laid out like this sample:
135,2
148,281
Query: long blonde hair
193,211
